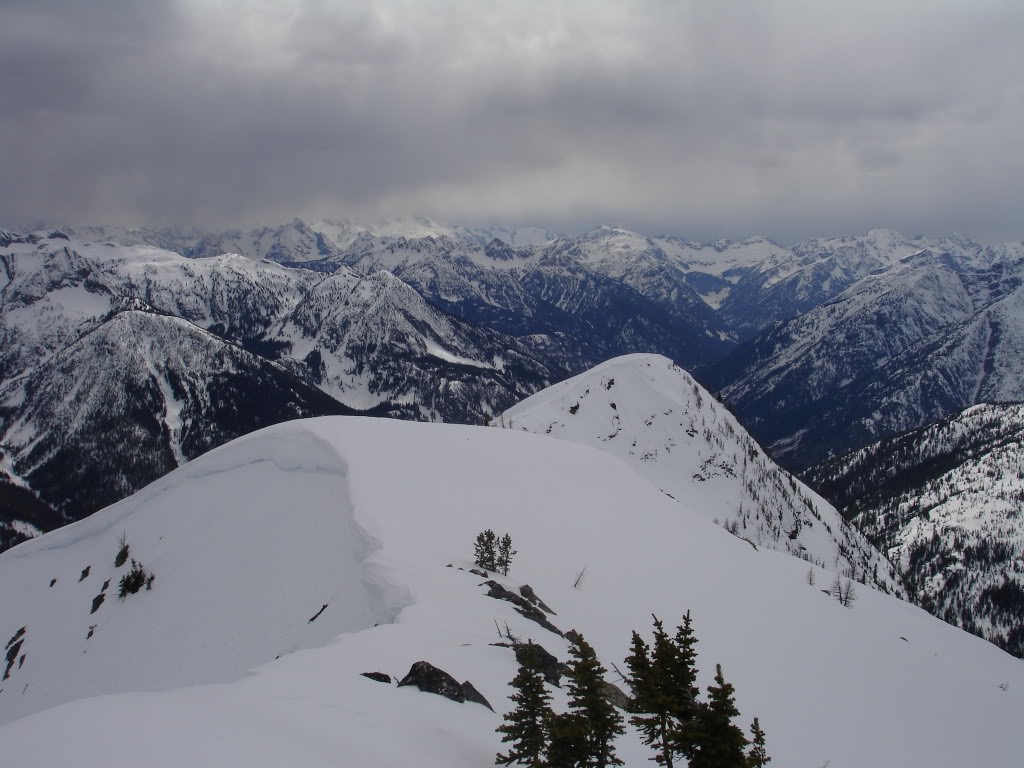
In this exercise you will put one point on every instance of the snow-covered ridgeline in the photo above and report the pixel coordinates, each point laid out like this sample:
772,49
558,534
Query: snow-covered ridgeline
251,541
669,429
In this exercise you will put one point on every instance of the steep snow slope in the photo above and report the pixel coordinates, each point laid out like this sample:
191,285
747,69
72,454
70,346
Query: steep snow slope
897,350
669,429
249,542
547,291
945,502
780,288
55,289
374,339
131,400
292,243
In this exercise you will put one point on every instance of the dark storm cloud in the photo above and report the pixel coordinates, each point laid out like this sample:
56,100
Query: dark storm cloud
705,118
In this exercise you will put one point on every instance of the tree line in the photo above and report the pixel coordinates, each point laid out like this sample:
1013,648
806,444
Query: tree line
664,705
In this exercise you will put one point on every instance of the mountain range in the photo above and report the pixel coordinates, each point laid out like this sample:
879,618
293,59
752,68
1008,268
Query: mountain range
126,353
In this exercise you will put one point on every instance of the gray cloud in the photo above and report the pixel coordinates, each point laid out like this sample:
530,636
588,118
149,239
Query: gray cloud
790,118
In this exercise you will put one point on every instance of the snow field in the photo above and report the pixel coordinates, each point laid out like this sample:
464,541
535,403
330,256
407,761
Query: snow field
364,515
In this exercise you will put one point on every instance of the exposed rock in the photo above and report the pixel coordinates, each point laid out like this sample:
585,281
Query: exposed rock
523,606
527,591
380,677
472,694
478,572
97,602
430,679
550,667
85,573
614,695
13,649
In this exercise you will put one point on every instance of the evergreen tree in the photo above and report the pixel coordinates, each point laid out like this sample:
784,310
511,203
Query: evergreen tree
652,699
505,554
568,744
525,726
720,742
587,700
685,689
757,757
485,550
664,694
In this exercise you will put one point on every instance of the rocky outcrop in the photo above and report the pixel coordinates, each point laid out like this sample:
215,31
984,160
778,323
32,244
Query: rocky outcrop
430,679
547,662
527,591
523,606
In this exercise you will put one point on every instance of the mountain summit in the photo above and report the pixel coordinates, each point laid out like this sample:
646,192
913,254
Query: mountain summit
656,418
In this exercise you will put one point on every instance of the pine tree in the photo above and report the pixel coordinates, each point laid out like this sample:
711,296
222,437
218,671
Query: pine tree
525,726
664,693
720,742
485,550
652,699
587,700
757,757
685,691
505,554
568,743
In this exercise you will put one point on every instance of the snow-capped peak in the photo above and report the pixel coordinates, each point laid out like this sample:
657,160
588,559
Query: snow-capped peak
668,428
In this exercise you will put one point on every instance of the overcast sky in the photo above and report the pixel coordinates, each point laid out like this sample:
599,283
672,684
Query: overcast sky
710,118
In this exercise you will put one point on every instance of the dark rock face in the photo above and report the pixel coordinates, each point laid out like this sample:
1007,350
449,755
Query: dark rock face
549,666
527,591
523,606
472,694
430,679
380,677
614,695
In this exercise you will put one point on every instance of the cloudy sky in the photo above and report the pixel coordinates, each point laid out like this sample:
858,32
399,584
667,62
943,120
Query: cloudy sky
706,118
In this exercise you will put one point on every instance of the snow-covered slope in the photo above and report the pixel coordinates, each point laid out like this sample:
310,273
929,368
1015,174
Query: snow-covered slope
294,242
160,389
353,521
897,350
669,429
131,400
945,502
52,290
373,340
607,307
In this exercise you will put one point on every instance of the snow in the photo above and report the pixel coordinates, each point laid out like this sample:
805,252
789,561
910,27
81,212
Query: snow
651,414
249,541
24,528
443,354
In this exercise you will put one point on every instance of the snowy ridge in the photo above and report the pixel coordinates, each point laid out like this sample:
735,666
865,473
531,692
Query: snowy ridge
57,290
374,551
548,289
374,339
669,429
944,502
